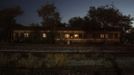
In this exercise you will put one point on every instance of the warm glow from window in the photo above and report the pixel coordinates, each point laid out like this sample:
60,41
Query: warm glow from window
44,35
101,35
26,34
76,35
67,36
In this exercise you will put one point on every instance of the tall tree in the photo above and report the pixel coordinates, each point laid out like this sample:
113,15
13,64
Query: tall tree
50,16
8,21
76,22
108,16
51,19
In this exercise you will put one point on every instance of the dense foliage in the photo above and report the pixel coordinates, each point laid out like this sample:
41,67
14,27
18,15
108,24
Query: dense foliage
50,15
102,17
8,21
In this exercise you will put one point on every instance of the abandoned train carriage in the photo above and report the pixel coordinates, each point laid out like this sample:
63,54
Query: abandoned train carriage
67,35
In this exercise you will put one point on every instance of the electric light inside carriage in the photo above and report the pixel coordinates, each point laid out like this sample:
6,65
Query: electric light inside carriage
44,35
67,36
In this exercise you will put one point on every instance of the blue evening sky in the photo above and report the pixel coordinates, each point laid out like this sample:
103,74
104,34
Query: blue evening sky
67,8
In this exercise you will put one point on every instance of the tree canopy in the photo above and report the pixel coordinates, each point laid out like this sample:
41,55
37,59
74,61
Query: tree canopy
102,17
8,21
108,16
76,22
7,16
50,15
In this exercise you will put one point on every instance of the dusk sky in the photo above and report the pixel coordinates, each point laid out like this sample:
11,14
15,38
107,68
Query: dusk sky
66,8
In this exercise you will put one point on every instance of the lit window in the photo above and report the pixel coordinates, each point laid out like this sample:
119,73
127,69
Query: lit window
26,34
44,35
67,36
76,35
101,35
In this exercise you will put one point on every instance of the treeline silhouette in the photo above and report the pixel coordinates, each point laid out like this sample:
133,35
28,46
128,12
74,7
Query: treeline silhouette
103,17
